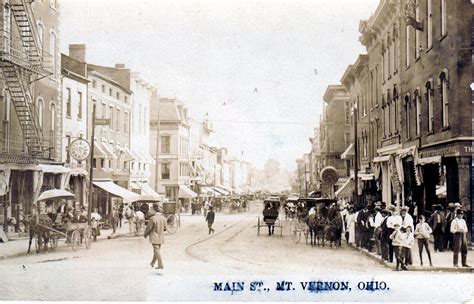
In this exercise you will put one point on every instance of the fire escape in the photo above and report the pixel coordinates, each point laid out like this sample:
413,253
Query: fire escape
22,61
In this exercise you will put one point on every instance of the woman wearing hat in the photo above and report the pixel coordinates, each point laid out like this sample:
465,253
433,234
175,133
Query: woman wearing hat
459,230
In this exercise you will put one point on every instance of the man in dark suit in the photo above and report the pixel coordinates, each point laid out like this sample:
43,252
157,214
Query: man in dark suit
437,221
155,231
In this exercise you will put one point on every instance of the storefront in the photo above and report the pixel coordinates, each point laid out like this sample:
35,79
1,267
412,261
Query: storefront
108,194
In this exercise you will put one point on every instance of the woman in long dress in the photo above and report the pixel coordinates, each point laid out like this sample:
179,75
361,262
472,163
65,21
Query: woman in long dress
350,220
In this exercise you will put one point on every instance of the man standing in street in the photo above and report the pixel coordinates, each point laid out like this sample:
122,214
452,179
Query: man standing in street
459,231
210,219
155,230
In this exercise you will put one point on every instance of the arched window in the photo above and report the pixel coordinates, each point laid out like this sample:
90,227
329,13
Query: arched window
395,109
41,35
53,126
429,101
53,52
417,105
39,109
443,88
407,116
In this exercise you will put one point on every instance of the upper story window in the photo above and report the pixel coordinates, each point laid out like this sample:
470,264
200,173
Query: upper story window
110,92
103,88
40,108
443,21
166,144
41,35
417,104
443,87
125,98
407,116
53,52
117,95
429,24
417,33
94,83
165,170
429,101
347,113
407,46
79,105
68,102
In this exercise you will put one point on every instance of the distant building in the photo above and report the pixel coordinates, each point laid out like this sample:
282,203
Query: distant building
173,172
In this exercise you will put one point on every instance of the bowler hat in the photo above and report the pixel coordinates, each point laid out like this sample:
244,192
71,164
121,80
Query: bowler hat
459,211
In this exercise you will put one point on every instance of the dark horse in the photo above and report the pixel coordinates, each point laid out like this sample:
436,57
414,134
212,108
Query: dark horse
333,229
316,223
39,227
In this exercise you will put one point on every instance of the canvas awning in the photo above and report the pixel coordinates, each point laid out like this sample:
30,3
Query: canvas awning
98,150
126,154
148,191
346,190
209,191
109,151
185,192
380,159
116,190
349,152
429,160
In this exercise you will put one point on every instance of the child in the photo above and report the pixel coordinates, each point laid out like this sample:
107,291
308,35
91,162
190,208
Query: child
422,234
210,219
407,243
397,238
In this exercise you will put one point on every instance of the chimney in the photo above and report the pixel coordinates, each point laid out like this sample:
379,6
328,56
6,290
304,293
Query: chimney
120,66
78,52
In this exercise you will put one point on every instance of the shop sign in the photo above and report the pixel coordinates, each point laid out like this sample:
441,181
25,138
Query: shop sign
445,151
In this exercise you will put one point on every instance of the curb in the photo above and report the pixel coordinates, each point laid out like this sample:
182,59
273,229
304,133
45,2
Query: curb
411,267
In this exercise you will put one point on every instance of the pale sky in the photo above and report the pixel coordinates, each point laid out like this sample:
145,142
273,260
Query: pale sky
249,64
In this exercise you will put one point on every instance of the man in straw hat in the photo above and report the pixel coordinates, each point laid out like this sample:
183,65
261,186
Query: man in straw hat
459,230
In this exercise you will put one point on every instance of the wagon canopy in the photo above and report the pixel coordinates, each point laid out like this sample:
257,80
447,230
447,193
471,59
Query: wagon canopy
55,194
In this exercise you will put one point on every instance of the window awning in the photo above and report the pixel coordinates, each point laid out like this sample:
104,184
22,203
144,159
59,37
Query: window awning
346,190
381,159
116,190
126,154
148,191
109,151
98,150
349,152
185,192
209,191
429,160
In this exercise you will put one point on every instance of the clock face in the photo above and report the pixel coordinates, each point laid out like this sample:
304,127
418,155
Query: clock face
80,149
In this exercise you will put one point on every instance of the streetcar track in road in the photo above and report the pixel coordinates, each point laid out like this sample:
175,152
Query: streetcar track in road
188,252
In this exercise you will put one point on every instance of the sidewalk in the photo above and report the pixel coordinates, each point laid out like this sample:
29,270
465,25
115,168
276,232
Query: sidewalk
19,247
442,261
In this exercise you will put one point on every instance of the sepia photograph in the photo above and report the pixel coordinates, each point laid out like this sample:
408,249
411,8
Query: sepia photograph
236,150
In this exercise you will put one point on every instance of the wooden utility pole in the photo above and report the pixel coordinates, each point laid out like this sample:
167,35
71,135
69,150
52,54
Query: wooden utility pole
91,167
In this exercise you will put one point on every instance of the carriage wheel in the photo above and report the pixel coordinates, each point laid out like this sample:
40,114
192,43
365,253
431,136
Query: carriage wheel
172,223
88,237
75,240
294,232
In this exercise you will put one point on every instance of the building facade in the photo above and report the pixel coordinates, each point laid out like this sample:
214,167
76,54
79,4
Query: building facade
30,109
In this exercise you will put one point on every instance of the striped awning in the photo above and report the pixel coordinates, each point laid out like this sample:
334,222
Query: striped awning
349,152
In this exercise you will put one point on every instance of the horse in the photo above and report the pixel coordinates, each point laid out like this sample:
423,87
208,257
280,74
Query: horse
39,227
316,222
333,230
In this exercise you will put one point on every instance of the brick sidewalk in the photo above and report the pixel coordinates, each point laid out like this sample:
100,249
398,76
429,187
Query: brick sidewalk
442,261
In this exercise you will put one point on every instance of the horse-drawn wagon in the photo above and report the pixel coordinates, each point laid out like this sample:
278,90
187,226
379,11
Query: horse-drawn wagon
318,219
270,217
48,229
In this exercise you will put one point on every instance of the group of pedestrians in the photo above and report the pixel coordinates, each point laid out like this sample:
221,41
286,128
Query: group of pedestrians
392,233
